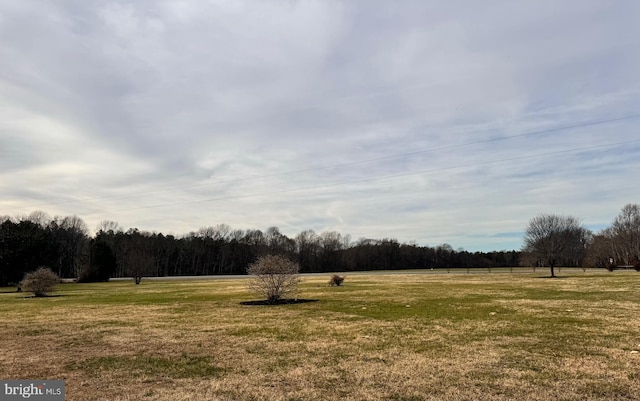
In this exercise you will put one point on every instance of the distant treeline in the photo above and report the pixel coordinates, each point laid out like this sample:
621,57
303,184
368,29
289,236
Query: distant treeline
64,245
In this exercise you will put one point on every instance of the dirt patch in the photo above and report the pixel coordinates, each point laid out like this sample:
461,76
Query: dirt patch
278,302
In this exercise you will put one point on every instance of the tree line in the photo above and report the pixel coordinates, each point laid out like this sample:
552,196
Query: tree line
64,245
554,240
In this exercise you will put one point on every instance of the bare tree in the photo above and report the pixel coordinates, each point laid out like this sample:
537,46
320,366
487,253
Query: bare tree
278,243
40,218
601,250
274,277
108,226
218,233
254,238
626,235
553,239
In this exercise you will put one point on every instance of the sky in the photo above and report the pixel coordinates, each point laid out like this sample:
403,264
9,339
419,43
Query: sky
427,121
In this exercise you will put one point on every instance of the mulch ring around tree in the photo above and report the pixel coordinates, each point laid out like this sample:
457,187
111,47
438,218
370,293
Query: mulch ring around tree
279,302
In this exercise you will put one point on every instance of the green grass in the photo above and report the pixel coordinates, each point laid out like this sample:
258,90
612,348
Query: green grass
496,336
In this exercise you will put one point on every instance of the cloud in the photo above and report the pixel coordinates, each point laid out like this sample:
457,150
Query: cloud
376,119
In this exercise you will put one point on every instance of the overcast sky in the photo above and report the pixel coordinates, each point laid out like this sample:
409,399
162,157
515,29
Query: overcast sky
434,121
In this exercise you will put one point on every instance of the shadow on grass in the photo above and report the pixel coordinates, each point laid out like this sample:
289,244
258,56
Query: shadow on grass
553,278
278,302
44,296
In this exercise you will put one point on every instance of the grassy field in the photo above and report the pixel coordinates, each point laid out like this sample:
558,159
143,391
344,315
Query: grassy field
380,337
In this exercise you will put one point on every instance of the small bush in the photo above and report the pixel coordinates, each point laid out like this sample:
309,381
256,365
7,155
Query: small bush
274,277
336,280
40,282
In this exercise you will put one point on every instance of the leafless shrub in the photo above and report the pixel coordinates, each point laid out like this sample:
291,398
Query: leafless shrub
336,280
40,282
274,277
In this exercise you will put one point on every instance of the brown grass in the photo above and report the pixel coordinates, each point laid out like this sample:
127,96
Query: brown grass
401,337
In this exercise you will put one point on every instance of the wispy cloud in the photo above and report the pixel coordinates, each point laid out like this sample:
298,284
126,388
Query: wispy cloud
169,116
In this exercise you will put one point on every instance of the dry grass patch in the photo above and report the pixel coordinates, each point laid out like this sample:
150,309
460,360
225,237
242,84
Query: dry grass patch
399,337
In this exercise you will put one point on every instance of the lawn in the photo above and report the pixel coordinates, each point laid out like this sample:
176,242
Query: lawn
496,336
